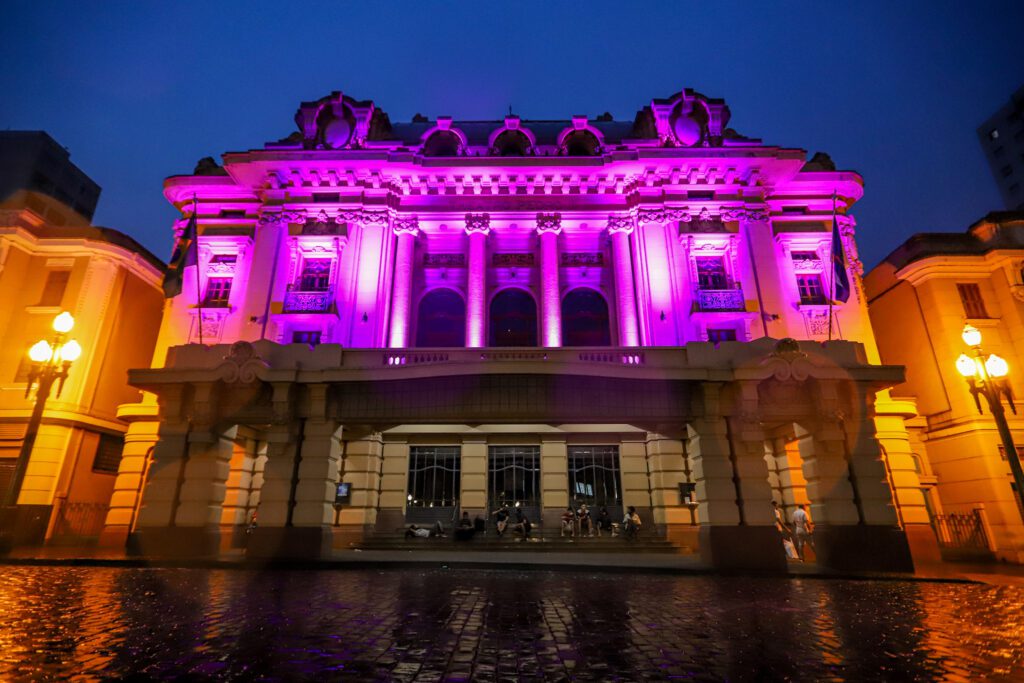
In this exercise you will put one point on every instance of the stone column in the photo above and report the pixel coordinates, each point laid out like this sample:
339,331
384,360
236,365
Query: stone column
401,298
201,502
733,495
139,442
851,503
548,227
554,481
473,494
477,228
362,467
667,462
620,228
893,437
762,277
394,485
296,511
636,490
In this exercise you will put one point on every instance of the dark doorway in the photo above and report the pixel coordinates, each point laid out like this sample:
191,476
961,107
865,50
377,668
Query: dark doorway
513,319
585,319
441,320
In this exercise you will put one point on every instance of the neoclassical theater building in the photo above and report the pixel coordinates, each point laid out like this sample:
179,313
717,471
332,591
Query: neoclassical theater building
447,316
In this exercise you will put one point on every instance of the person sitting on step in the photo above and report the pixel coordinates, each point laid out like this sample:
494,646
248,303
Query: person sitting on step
568,522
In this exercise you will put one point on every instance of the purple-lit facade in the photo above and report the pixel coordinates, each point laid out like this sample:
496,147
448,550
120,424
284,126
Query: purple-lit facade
371,251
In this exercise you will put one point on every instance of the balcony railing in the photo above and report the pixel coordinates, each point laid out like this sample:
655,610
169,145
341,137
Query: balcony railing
710,300
307,302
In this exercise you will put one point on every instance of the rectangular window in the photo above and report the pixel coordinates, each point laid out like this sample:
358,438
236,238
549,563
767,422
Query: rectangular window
721,335
711,273
218,291
811,291
513,476
108,454
306,337
970,297
53,290
316,275
434,479
594,477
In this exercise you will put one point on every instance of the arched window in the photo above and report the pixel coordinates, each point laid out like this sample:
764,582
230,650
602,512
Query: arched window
581,143
512,143
585,319
443,143
441,320
513,319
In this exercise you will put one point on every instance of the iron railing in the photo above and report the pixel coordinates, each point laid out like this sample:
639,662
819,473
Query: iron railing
307,302
710,300
962,535
80,521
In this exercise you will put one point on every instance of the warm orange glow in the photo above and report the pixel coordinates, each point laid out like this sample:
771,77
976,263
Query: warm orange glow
63,323
70,351
40,352
971,335
996,366
965,365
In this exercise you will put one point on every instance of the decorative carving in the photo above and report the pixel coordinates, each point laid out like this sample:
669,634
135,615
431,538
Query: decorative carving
241,364
405,224
373,217
816,320
582,260
324,225
444,260
704,222
661,215
549,222
269,217
212,322
221,269
787,362
512,260
620,224
478,222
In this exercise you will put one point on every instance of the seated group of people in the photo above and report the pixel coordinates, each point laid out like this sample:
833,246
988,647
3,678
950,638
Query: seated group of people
574,522
581,522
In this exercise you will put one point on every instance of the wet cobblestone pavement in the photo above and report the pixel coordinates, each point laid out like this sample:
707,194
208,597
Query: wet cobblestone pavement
461,625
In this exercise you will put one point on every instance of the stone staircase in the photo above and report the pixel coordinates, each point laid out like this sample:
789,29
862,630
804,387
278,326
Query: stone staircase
544,543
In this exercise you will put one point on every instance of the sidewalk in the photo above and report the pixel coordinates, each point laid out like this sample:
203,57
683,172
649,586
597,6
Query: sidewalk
661,563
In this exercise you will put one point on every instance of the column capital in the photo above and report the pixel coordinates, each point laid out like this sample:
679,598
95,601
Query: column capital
751,213
405,225
478,223
620,224
278,216
549,223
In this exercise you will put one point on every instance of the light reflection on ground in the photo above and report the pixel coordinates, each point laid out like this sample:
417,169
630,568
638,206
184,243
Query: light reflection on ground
435,624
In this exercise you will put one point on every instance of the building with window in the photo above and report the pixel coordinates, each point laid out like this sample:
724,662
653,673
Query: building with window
920,297
1002,139
448,316
111,285
33,163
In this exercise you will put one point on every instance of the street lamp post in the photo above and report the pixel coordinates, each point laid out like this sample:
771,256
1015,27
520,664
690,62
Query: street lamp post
51,361
986,376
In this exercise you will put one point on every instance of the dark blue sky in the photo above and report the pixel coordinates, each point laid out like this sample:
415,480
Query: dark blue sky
140,90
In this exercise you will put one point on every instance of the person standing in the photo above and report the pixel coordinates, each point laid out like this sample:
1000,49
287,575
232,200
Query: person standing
802,529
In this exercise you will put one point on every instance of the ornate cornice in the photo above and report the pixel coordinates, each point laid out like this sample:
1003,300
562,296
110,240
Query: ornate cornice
404,224
478,223
620,224
549,222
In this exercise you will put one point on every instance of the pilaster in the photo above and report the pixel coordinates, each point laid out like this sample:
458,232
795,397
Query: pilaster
473,495
477,228
554,478
548,228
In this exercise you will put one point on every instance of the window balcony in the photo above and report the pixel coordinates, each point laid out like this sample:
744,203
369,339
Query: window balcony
308,302
712,300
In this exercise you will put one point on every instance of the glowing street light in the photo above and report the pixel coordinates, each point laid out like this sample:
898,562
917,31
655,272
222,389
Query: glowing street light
51,361
986,376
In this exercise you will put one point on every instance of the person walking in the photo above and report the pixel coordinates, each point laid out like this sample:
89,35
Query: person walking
802,530
784,531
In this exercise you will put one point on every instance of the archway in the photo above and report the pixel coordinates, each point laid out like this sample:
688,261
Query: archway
441,320
585,319
513,319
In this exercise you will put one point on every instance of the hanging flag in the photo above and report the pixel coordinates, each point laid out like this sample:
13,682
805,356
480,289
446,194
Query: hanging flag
185,255
840,278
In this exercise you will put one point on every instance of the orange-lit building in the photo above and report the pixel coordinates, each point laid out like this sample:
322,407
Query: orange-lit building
920,297
52,260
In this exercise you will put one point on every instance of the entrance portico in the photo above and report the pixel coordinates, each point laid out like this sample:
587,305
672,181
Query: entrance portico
699,415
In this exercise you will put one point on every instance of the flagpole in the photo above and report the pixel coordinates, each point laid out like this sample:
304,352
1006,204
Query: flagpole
832,267
199,290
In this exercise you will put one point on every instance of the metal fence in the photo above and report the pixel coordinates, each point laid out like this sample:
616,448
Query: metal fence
962,536
79,522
